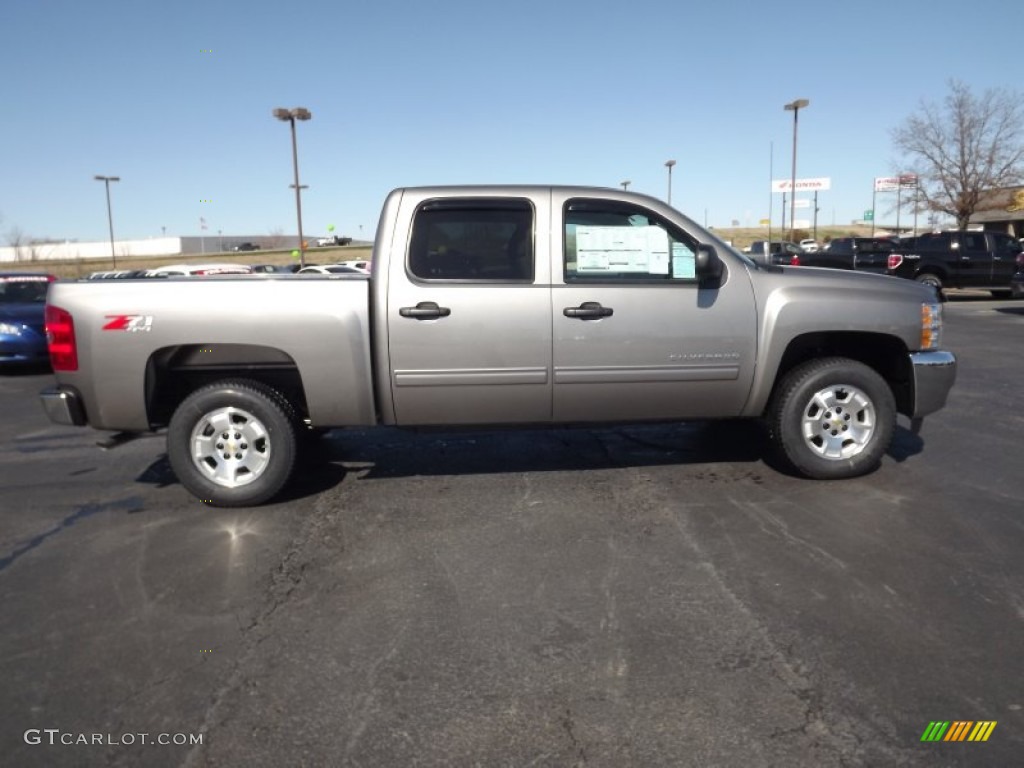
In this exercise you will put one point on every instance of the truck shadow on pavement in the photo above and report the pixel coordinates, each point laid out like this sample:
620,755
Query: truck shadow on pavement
386,452
311,478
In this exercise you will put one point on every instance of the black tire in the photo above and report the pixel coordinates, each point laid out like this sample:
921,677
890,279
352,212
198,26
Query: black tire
260,446
832,418
1001,293
931,280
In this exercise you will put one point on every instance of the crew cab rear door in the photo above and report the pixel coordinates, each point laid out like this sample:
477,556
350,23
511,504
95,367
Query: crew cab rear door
469,311
635,336
975,260
1005,250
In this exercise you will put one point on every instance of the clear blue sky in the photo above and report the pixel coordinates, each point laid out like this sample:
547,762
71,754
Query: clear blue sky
452,91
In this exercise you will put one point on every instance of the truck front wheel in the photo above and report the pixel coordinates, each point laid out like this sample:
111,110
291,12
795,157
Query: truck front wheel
833,418
232,443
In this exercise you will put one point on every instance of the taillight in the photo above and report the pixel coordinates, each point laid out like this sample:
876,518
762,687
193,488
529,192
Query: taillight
894,260
60,338
795,261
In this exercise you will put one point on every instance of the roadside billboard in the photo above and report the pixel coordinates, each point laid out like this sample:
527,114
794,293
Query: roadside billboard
892,183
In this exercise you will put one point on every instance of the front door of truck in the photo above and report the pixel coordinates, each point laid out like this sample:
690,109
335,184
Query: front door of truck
635,336
469,312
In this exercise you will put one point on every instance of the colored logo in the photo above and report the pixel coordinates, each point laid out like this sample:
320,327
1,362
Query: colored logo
130,323
958,730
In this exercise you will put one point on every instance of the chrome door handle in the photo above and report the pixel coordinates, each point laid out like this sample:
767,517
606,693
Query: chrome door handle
425,310
588,310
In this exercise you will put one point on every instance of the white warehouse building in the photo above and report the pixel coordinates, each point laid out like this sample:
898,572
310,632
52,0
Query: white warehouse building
153,247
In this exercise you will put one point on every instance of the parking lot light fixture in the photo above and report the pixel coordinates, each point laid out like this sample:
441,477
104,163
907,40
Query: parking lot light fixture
794,107
290,116
110,217
669,164
625,184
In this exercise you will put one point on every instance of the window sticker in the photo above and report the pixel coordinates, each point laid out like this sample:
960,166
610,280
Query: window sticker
641,250
684,262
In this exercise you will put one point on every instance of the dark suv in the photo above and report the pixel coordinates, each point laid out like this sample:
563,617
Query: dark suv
867,254
984,260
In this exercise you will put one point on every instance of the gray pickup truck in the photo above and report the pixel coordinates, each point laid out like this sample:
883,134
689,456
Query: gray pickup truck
499,305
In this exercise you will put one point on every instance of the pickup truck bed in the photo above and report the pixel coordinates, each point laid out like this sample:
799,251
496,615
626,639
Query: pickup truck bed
864,254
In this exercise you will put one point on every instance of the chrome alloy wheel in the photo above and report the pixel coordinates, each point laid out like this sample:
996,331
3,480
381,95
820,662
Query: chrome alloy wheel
230,446
838,422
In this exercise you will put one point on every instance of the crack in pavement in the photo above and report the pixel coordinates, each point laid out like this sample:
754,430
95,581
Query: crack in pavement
285,581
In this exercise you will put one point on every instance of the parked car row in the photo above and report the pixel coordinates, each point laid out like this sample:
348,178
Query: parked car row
325,242
332,269
172,270
179,270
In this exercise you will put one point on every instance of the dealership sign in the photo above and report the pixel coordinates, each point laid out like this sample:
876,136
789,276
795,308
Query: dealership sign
802,185
892,183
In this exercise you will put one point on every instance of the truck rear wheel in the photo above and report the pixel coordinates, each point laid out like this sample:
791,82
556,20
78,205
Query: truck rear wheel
931,280
232,443
833,418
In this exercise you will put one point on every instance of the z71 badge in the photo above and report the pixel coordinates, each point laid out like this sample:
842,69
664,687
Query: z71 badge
132,323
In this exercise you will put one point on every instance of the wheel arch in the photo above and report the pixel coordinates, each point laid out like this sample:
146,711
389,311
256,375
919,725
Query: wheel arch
885,354
174,372
932,269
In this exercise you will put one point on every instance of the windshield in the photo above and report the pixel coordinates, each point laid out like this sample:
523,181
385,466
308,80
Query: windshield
22,290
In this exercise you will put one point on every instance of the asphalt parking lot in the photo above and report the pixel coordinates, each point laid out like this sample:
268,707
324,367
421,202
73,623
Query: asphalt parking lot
638,596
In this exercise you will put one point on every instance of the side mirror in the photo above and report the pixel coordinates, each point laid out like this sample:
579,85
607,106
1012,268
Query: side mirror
709,267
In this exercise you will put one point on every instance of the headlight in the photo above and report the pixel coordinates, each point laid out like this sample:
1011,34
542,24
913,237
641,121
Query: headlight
10,329
931,325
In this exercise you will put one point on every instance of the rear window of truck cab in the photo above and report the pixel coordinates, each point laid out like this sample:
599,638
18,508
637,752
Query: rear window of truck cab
473,239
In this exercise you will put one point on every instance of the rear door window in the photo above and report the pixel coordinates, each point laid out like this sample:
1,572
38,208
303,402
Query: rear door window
1004,245
974,242
474,240
934,242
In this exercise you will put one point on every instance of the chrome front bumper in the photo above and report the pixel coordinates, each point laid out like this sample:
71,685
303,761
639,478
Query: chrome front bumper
934,374
63,405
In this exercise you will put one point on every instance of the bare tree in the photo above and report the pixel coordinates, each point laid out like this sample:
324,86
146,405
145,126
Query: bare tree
17,240
963,149
275,238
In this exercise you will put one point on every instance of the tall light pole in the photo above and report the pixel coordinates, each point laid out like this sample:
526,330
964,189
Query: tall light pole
290,116
110,217
625,184
795,107
669,164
